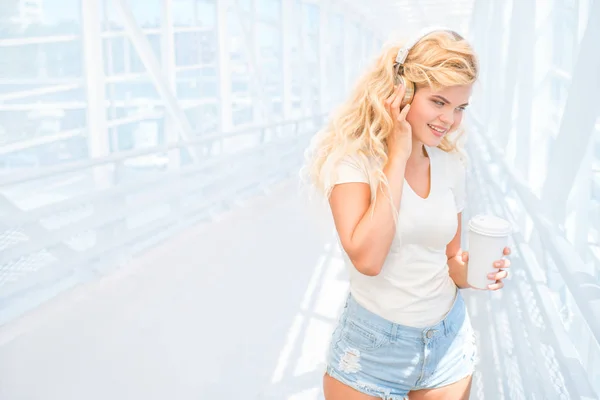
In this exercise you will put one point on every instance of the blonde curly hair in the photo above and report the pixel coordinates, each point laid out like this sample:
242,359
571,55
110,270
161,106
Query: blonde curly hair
361,124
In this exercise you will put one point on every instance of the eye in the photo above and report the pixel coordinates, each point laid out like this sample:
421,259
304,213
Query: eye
462,108
439,103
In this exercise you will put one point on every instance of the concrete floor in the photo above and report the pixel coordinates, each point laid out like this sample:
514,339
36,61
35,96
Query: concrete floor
241,308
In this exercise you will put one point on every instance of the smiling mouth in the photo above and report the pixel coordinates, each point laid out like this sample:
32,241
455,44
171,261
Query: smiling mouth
437,131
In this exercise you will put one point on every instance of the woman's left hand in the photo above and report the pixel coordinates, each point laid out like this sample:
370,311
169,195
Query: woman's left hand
496,276
501,274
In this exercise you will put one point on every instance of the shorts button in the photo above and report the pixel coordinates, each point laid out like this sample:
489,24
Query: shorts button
429,334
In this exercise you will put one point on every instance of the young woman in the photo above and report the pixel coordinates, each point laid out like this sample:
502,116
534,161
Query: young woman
390,167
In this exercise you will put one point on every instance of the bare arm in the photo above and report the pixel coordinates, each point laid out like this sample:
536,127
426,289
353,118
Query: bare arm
456,262
367,229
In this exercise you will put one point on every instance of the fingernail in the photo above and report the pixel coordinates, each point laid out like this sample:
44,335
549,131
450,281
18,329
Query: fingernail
497,263
491,276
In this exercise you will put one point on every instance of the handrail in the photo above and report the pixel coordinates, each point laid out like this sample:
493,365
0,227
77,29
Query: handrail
491,184
182,196
120,190
535,209
93,222
121,156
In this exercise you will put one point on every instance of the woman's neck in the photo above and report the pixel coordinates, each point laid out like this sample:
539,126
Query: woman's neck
418,153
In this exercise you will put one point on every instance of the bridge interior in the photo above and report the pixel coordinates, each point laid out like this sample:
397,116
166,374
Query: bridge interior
155,241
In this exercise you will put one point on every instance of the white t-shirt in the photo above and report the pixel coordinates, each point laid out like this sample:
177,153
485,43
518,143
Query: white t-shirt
414,287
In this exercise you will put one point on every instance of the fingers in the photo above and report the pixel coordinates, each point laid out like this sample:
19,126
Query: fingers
502,263
388,103
403,113
465,256
390,100
400,90
392,103
497,276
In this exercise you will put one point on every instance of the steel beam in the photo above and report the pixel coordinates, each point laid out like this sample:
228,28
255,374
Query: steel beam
578,215
301,63
263,104
110,89
362,45
525,92
494,78
577,123
144,50
286,25
348,57
224,66
478,35
338,65
503,120
126,56
93,61
324,55
167,49
23,94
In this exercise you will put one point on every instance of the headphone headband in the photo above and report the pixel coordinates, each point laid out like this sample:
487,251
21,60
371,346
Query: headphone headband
403,52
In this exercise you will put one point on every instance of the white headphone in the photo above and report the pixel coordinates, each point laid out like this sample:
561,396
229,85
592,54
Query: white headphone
401,58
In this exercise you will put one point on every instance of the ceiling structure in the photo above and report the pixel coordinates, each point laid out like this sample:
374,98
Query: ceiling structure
400,18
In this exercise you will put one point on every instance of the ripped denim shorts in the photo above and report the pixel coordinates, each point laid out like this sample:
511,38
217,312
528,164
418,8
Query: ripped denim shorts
387,360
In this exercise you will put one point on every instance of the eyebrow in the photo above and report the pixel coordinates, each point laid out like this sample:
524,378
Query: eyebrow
446,100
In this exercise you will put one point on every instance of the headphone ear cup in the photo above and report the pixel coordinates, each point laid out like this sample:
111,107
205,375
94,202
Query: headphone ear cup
409,91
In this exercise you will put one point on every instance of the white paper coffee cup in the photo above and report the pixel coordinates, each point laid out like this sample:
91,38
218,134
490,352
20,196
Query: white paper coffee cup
488,236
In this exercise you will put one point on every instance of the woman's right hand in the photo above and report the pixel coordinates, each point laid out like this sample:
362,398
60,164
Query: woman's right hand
399,141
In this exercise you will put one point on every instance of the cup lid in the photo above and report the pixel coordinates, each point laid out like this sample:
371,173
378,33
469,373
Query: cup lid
490,225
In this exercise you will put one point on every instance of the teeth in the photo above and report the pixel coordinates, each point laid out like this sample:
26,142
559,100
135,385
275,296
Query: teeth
436,129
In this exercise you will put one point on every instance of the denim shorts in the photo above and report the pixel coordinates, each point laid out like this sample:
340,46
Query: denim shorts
387,360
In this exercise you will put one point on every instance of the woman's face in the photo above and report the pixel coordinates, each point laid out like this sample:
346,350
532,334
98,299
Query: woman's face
434,114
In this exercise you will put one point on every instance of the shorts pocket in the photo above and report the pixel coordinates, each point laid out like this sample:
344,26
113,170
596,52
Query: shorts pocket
359,335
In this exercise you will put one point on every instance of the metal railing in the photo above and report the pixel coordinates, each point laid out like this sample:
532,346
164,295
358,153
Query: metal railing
48,248
561,299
